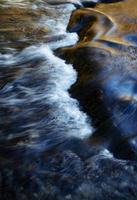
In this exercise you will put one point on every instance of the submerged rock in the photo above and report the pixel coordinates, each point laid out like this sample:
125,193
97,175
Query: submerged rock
21,23
49,148
32,22
63,175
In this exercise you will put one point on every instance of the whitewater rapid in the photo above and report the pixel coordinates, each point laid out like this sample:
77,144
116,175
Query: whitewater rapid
41,109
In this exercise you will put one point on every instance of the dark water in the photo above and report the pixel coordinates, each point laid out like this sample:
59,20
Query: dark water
68,106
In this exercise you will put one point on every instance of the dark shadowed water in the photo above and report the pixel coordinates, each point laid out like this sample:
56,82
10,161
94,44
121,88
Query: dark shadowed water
68,100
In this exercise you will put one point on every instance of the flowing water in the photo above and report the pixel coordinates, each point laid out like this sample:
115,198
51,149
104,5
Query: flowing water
35,104
64,81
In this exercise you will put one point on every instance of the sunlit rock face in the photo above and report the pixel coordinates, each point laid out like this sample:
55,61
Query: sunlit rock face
68,106
105,22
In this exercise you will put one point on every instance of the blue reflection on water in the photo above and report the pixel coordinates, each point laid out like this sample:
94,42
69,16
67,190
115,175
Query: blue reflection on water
122,101
132,38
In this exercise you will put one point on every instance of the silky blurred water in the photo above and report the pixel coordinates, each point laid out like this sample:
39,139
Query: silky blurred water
36,109
68,99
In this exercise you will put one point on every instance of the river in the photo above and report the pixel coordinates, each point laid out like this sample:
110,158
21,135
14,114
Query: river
68,100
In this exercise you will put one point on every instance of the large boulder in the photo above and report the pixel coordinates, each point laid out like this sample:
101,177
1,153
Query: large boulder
106,65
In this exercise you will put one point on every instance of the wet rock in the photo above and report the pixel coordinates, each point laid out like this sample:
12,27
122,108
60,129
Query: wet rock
93,3
105,91
89,24
50,177
106,79
105,22
110,1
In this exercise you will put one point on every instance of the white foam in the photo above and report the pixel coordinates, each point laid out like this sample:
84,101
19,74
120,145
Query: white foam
106,153
44,85
61,77
70,38
54,77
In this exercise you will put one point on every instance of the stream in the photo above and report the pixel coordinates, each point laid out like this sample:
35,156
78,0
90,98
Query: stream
68,97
